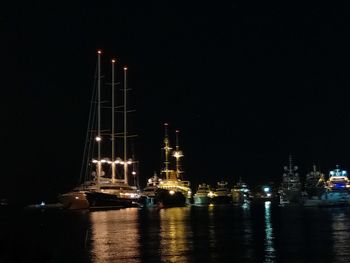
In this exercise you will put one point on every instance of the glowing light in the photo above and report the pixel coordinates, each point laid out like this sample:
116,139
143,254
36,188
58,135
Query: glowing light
99,51
171,192
113,61
94,161
211,194
129,162
98,139
266,189
125,68
133,173
42,203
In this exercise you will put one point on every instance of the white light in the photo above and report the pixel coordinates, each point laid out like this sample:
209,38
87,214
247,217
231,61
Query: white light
133,172
42,203
171,192
98,139
129,162
266,189
94,161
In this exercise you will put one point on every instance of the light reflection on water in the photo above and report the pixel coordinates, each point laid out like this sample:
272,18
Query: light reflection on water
247,233
115,236
341,236
270,253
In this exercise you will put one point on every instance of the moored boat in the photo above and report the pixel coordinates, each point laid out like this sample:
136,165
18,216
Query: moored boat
290,189
336,191
240,192
222,194
100,190
172,190
204,195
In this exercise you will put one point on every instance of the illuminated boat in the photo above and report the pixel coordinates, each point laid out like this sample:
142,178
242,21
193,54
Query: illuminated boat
102,191
172,190
240,192
148,194
203,196
336,193
314,183
290,189
222,194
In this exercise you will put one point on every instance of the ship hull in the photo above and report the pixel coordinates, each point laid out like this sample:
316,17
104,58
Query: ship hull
201,200
104,201
164,198
222,200
74,200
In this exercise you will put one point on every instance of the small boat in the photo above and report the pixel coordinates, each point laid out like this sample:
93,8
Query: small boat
222,194
290,189
240,192
99,190
203,196
336,191
148,194
265,192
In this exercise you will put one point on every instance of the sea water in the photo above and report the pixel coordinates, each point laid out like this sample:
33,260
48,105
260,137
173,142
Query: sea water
245,233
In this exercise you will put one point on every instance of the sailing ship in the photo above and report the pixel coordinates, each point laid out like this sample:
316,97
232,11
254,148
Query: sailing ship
222,194
100,191
204,195
172,190
240,192
336,191
290,189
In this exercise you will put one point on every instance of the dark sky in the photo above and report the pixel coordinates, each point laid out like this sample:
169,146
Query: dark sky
246,82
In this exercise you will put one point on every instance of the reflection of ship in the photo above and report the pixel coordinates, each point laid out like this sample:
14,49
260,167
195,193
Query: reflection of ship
336,191
240,192
171,190
203,196
102,191
222,195
290,189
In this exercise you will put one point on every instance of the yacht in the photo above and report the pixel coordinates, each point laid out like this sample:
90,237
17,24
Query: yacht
290,189
222,194
240,192
336,191
102,191
204,195
172,190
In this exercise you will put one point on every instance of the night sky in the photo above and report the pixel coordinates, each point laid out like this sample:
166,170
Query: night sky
246,82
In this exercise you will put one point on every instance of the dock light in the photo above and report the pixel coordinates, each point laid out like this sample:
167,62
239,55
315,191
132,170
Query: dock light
171,192
98,138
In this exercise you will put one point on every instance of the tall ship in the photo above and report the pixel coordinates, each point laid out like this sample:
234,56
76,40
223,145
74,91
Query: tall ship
222,194
336,191
100,189
240,192
171,190
204,195
290,189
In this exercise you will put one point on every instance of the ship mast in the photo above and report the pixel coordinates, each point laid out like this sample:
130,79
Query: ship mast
98,138
167,150
112,132
177,154
125,130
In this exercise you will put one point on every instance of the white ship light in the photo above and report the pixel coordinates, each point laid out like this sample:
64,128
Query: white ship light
98,139
42,203
343,172
129,161
94,161
331,172
210,194
268,194
171,192
266,189
133,173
